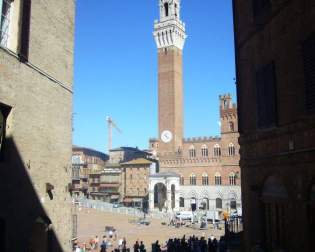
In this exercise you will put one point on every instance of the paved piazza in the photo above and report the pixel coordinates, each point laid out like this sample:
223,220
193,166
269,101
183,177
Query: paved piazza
92,222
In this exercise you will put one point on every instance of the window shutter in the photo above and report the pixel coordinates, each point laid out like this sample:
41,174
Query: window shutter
309,72
25,33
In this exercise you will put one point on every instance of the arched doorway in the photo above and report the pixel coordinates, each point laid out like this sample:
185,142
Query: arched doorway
173,196
193,204
274,199
41,239
159,196
311,214
205,204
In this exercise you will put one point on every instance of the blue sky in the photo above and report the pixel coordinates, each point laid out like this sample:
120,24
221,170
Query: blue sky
116,69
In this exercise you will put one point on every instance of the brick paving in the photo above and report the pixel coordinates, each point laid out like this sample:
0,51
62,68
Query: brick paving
92,222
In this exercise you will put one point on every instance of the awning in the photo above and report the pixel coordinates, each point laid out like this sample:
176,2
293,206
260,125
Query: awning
114,197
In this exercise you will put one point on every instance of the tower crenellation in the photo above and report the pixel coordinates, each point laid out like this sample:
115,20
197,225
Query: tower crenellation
169,30
228,114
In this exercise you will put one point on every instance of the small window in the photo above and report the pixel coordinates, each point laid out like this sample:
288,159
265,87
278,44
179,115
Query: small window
193,180
205,179
231,149
217,179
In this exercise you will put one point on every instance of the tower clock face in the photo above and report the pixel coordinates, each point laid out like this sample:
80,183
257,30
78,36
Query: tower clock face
166,136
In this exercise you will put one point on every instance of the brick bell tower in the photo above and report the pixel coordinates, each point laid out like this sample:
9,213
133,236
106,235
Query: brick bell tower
170,36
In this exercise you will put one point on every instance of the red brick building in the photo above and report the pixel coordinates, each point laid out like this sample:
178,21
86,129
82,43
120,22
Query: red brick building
275,57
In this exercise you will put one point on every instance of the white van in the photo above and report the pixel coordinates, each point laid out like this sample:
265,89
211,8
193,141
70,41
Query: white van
184,215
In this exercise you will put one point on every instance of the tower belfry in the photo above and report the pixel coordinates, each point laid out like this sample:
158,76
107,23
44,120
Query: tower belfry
170,36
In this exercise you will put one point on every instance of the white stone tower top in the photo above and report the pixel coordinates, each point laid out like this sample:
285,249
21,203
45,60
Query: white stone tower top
169,30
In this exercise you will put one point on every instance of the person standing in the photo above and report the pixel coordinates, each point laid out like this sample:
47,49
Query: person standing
136,247
142,247
96,242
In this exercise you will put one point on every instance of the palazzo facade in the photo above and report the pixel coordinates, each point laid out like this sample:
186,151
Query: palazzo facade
201,172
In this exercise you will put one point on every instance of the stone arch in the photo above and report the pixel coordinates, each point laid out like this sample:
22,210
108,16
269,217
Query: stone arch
205,200
192,194
160,195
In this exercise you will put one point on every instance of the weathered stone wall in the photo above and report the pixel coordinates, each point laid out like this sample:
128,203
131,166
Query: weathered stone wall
39,128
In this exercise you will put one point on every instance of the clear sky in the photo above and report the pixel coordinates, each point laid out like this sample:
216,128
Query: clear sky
116,69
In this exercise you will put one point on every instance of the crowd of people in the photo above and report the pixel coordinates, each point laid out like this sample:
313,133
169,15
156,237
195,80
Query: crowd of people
192,244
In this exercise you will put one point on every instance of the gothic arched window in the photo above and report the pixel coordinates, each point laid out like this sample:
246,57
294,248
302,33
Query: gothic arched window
182,180
193,180
231,149
232,179
231,126
217,150
204,151
192,151
217,179
205,179
166,9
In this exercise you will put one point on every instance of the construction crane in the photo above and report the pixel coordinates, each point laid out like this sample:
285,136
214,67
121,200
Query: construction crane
111,125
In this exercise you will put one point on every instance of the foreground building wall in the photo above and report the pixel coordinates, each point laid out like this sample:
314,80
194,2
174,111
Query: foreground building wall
275,56
36,74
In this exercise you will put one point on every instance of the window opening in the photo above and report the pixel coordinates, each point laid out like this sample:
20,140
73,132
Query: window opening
166,9
5,6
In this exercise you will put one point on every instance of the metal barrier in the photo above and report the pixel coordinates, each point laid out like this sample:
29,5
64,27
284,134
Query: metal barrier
108,207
